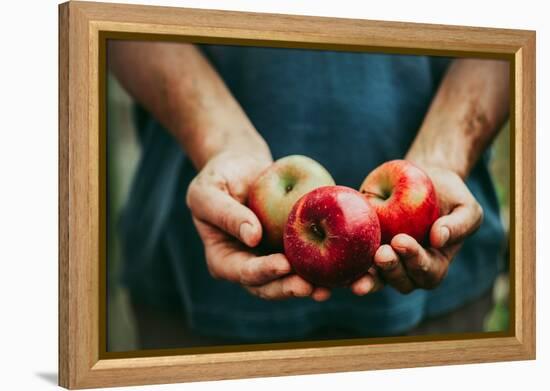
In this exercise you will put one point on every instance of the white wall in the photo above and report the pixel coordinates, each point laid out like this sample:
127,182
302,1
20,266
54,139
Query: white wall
28,193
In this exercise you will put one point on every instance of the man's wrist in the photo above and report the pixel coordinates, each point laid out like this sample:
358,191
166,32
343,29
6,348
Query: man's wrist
206,144
251,145
434,158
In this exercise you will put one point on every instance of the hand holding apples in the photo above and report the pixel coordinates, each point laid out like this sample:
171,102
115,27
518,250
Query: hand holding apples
229,230
405,262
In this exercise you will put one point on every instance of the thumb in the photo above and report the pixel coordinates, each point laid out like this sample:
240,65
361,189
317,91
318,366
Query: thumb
456,226
218,208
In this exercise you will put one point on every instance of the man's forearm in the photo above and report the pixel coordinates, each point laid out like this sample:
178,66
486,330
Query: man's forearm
182,90
465,115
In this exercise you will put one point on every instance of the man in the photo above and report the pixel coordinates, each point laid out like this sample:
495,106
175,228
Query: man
211,118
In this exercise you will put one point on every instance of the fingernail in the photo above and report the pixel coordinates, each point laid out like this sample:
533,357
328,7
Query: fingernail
367,287
282,269
246,231
389,262
445,233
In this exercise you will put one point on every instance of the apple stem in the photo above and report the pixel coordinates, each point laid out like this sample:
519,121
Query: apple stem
370,193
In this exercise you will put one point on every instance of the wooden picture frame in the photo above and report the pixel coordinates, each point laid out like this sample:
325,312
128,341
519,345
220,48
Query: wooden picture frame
83,28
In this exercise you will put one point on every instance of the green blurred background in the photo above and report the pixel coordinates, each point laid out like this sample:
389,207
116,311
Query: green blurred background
123,155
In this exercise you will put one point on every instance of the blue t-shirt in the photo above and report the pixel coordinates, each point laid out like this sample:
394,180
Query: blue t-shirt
350,112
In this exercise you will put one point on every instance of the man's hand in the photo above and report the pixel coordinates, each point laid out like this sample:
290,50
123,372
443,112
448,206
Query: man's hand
464,117
178,85
230,231
405,264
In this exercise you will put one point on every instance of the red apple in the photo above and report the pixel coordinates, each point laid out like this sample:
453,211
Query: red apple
276,190
404,198
331,236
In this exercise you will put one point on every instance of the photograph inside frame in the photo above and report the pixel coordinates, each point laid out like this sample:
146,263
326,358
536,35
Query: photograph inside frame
265,195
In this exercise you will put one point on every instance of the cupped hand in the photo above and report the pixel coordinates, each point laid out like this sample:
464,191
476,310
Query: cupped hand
230,231
405,264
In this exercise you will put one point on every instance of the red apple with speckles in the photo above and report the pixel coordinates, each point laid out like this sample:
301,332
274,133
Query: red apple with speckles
404,198
331,236
274,193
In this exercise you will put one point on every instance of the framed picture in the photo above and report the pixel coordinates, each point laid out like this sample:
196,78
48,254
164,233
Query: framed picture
247,195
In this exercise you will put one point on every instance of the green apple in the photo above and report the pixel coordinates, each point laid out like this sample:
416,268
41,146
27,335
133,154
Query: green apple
274,193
